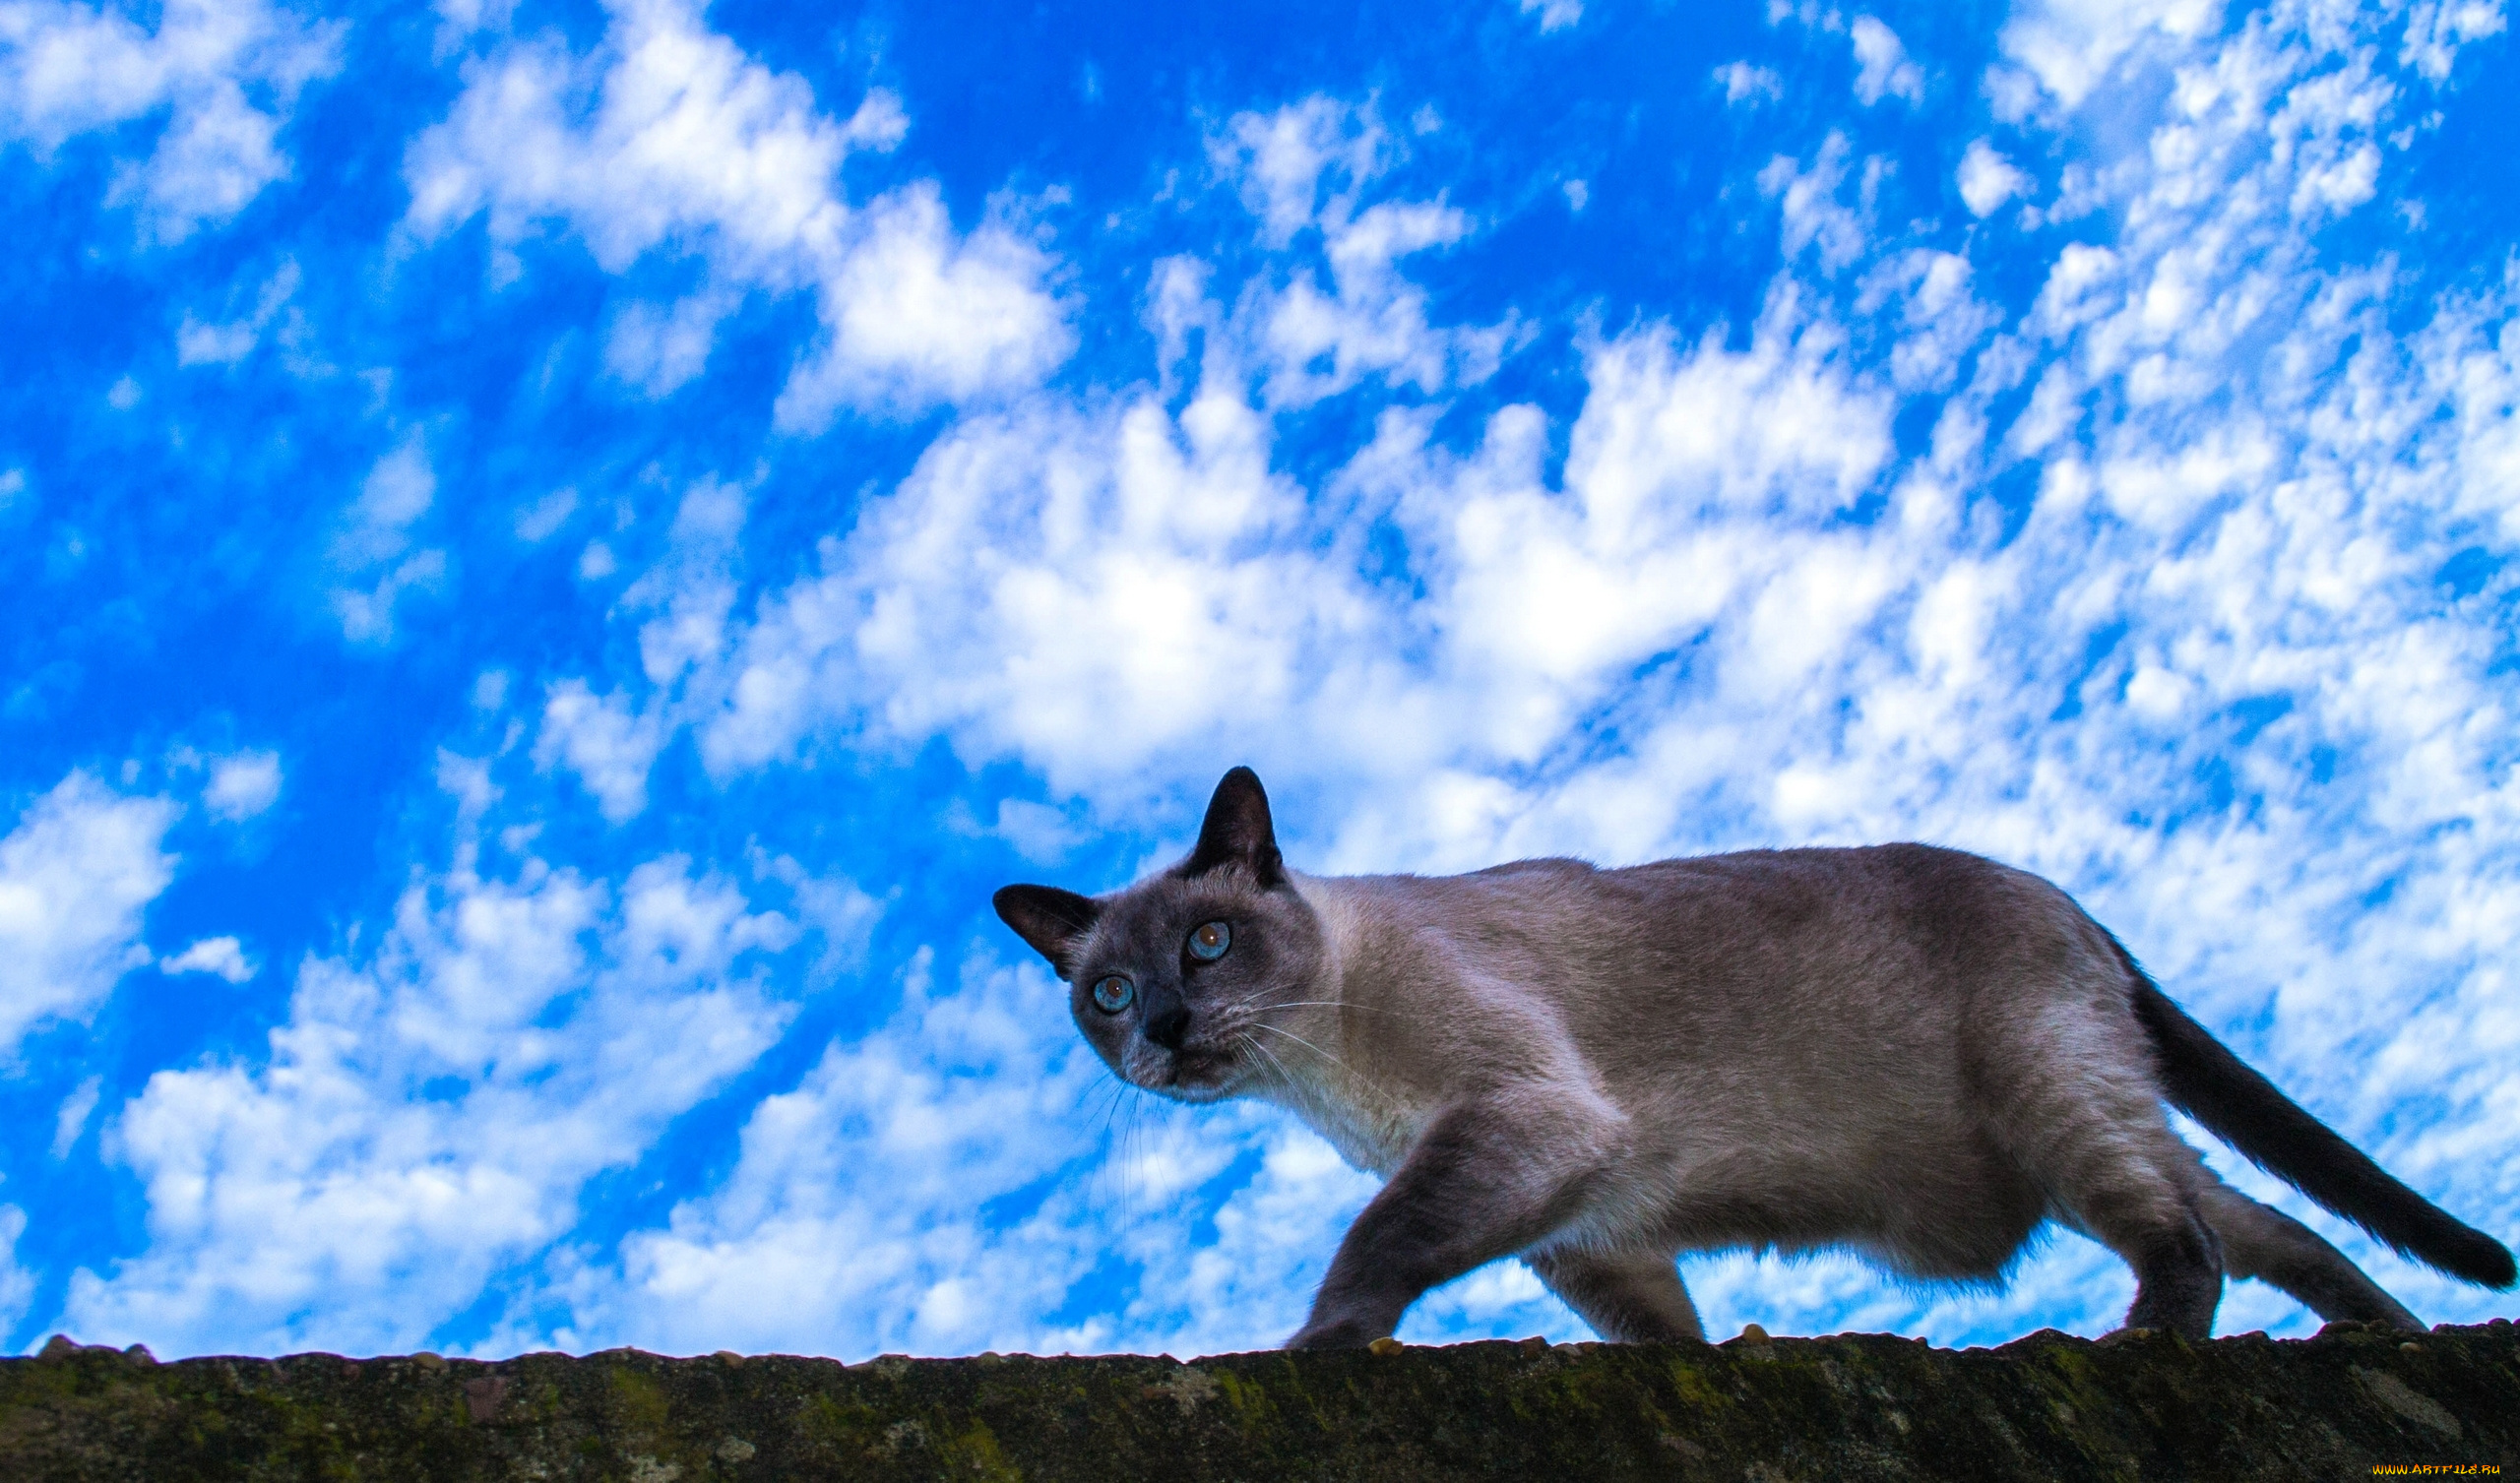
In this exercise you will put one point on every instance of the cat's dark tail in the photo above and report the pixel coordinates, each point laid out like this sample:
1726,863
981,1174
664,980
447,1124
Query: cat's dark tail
2204,1080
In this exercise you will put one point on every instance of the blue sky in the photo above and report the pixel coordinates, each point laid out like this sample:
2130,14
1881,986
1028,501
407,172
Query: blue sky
557,553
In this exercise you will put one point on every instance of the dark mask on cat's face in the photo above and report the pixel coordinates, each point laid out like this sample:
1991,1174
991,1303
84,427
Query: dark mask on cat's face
1172,981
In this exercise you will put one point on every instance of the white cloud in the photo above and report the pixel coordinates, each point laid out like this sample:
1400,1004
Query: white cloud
1038,831
373,553
1813,14
612,742
686,138
917,315
429,1114
1554,15
1781,427
1987,179
687,595
1940,318
2435,30
226,73
242,786
1304,164
1308,168
466,16
2071,46
609,748
689,148
17,1282
76,875
228,342
657,348
828,905
538,521
1883,68
2077,288
220,955
1048,642
1318,344
1743,82
71,1119
1812,216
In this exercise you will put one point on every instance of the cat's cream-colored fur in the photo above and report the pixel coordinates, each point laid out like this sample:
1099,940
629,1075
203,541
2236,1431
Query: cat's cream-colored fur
1911,1051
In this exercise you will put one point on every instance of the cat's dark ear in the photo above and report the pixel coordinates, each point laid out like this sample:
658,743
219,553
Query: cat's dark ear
1237,831
1048,918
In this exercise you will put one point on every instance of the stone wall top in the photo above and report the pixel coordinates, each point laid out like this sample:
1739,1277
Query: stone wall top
2350,1403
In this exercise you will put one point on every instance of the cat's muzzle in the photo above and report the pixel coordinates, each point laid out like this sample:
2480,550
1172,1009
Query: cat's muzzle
1194,1073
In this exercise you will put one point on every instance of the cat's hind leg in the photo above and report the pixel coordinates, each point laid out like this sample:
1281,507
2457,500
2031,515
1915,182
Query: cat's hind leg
2146,1210
1633,1298
2095,1139
2276,1249
2178,1278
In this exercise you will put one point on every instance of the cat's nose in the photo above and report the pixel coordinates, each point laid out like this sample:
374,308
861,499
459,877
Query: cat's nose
1167,1018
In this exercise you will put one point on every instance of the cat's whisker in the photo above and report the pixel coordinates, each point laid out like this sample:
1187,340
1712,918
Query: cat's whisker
1114,1093
1339,1004
1128,1158
1300,1040
1283,1071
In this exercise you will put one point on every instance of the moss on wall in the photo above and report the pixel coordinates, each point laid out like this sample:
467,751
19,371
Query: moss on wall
1847,1409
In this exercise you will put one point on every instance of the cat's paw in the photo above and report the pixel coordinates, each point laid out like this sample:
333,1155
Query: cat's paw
1337,1333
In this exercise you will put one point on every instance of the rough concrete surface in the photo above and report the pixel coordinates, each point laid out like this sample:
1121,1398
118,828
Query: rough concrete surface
2346,1405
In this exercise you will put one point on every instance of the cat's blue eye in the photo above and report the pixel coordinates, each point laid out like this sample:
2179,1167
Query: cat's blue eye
1208,943
1112,993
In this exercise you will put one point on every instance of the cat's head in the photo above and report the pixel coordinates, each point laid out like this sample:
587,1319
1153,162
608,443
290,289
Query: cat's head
1174,978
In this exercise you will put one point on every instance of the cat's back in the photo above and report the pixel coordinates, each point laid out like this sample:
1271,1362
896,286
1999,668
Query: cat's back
1920,911
1748,928
1758,895
1771,894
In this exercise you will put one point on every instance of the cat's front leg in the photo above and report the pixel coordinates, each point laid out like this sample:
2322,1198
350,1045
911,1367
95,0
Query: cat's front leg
1485,1179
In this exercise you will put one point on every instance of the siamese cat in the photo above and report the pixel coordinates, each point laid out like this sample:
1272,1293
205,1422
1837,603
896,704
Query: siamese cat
1909,1050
